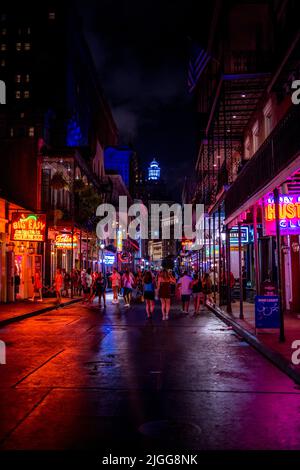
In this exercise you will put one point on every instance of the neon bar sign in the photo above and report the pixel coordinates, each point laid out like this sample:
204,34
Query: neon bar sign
64,241
234,235
28,227
289,215
109,260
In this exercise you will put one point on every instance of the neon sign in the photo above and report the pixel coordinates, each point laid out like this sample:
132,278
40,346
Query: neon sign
28,227
234,235
289,215
63,241
109,260
119,240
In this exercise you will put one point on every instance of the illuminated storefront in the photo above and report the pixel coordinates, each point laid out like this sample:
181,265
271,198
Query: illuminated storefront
23,254
64,250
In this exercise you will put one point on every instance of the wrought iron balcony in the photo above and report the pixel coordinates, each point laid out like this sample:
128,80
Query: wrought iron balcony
279,150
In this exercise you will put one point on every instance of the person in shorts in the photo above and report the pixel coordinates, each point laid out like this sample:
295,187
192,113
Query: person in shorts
184,284
115,284
128,283
100,288
149,293
197,293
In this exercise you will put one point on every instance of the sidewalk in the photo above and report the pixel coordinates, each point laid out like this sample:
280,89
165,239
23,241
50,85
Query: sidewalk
22,309
266,341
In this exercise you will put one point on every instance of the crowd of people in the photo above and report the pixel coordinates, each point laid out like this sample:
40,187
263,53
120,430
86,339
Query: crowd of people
147,287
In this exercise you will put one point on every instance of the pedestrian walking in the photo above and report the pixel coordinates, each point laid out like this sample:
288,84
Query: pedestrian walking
115,284
58,285
128,284
75,278
139,296
149,293
207,287
164,282
100,285
67,282
197,290
37,286
184,284
87,285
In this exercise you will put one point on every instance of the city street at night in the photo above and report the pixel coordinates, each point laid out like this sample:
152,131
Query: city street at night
149,159
80,379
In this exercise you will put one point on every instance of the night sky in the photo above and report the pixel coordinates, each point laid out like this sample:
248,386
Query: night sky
141,50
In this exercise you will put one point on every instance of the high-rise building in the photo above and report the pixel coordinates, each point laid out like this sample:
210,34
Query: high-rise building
154,171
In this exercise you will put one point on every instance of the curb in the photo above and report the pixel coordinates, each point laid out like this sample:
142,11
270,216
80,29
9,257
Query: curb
276,358
33,314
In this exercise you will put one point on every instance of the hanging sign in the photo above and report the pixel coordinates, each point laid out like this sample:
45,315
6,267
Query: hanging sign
28,227
289,215
119,240
125,257
64,241
234,235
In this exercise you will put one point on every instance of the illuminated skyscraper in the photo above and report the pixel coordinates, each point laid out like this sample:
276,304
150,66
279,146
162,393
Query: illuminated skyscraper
154,171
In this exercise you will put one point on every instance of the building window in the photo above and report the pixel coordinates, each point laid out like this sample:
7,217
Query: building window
22,115
51,15
3,47
27,78
18,46
28,30
11,132
27,46
3,17
31,131
26,94
18,94
3,31
3,63
18,78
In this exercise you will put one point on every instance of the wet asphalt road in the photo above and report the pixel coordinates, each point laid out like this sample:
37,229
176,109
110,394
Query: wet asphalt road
76,378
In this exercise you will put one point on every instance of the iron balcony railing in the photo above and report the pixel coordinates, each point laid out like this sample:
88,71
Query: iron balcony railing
279,150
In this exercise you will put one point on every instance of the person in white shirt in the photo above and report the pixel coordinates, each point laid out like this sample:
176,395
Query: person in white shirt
184,284
115,284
